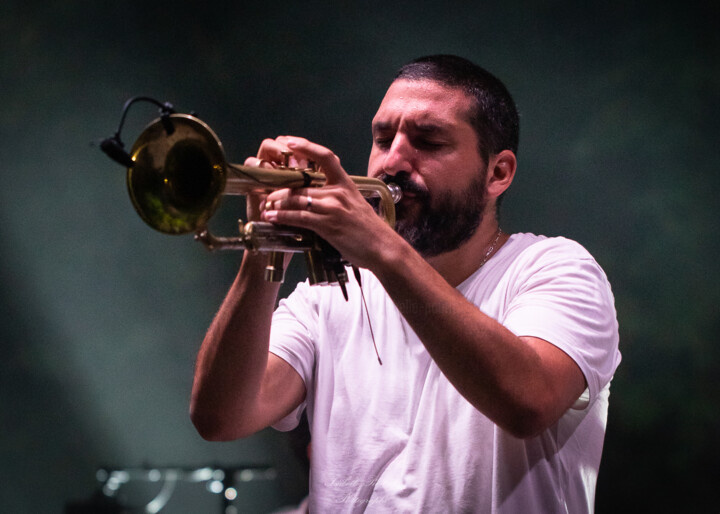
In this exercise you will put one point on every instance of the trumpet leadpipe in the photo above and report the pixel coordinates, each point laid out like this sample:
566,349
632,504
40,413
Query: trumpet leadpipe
244,180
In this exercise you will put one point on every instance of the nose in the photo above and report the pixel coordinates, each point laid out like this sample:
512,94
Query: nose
398,158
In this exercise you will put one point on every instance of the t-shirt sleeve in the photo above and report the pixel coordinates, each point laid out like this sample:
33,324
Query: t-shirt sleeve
562,295
292,336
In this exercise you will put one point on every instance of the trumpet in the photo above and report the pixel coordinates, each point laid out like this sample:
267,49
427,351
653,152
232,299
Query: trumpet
179,174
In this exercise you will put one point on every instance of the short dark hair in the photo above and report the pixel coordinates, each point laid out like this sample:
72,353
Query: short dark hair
495,117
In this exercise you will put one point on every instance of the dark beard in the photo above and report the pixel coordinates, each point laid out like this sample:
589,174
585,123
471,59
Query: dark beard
444,226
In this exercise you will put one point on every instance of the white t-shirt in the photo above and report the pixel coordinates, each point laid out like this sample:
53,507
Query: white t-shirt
400,438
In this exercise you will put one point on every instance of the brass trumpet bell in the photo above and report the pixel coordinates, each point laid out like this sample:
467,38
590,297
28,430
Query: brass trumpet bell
177,180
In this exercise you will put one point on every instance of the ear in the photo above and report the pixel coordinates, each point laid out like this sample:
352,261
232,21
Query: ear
501,171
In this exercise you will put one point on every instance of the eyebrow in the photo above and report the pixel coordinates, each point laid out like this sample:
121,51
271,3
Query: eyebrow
425,128
430,128
381,126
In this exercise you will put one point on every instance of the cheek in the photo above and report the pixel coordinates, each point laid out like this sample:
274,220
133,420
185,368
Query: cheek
374,167
448,185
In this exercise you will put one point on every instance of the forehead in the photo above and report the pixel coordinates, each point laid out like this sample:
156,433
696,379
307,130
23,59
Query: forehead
423,101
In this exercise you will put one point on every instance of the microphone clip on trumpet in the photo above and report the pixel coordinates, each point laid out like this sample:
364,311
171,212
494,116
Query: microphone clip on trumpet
177,174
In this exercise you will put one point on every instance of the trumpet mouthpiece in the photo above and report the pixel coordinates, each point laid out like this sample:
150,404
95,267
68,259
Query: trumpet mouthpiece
395,192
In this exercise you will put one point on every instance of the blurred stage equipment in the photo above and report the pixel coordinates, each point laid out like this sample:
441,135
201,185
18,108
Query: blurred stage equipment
148,490
177,174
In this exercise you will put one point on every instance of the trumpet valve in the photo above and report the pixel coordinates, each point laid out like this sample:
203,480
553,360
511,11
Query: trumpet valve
275,269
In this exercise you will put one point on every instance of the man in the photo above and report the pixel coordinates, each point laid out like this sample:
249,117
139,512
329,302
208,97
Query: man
497,350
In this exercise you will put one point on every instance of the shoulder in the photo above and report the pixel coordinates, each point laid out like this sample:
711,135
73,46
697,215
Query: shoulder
531,246
557,264
556,291
530,253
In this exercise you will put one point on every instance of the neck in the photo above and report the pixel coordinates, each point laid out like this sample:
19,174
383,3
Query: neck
457,265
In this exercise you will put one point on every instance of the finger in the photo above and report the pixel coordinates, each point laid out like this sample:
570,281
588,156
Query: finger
272,151
278,151
288,156
297,211
257,162
294,200
327,161
290,194
254,206
278,195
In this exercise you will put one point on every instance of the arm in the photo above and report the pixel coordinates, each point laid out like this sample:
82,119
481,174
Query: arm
239,387
522,384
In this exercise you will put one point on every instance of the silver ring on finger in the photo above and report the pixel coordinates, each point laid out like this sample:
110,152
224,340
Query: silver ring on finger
308,206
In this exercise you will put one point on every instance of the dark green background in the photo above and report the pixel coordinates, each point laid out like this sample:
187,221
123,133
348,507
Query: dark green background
102,317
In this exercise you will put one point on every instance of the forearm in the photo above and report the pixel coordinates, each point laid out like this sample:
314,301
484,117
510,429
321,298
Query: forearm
500,374
233,356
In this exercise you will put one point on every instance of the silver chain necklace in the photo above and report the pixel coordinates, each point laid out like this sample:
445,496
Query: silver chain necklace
490,251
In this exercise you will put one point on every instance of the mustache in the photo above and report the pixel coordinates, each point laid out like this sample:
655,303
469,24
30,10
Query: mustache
402,180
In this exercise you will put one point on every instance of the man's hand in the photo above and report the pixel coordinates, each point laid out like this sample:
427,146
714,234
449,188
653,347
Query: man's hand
337,212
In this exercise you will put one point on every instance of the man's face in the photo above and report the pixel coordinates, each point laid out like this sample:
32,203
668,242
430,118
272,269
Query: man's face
423,142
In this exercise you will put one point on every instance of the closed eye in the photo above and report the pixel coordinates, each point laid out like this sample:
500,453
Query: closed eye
429,144
382,141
